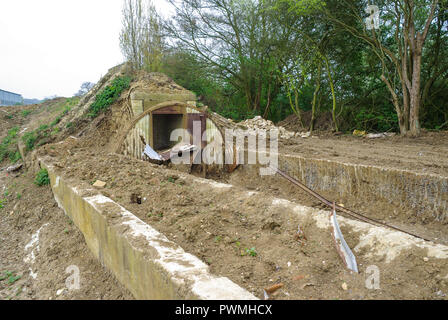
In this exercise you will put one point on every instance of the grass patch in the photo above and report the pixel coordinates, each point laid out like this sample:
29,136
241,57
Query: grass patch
14,157
42,178
30,139
251,252
56,121
43,128
11,277
26,113
8,148
109,95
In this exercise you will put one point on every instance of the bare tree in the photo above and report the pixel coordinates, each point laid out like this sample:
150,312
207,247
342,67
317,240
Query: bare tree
85,88
141,38
240,39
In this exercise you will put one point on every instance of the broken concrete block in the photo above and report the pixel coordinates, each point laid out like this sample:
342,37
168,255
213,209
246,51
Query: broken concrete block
14,168
99,184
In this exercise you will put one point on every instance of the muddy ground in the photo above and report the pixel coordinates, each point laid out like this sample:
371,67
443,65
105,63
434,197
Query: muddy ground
244,237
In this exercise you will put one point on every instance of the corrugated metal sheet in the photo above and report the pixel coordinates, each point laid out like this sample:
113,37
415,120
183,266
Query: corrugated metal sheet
212,131
9,98
133,145
214,137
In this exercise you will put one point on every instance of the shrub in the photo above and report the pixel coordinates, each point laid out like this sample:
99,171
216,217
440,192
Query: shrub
26,113
56,121
14,156
42,178
6,147
43,127
29,139
236,113
109,95
251,252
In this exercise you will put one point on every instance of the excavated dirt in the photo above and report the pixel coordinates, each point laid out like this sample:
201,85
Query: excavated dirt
27,209
371,206
244,237
426,154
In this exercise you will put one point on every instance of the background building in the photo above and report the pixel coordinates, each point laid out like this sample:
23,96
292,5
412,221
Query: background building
9,99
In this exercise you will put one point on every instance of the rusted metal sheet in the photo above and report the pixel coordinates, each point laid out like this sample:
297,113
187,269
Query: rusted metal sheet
140,131
168,110
191,119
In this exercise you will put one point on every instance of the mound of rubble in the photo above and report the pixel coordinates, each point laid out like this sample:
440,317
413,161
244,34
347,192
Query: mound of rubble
258,123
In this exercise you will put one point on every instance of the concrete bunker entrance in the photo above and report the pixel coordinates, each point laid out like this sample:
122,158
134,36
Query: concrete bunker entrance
163,126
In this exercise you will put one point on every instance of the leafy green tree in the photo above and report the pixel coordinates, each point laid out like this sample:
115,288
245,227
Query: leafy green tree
399,46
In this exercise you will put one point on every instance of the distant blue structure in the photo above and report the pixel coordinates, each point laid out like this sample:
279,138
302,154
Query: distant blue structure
10,99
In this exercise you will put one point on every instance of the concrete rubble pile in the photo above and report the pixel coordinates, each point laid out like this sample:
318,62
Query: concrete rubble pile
258,123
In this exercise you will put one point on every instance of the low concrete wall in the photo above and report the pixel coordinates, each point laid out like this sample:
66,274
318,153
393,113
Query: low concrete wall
141,258
420,194
413,193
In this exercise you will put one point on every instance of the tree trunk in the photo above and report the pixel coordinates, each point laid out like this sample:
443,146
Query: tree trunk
414,116
316,92
333,93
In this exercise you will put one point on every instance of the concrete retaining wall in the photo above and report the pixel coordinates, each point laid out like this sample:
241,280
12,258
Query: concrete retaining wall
415,194
142,259
420,194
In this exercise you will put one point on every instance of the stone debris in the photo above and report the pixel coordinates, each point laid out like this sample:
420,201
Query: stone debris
258,123
380,135
99,184
364,134
14,168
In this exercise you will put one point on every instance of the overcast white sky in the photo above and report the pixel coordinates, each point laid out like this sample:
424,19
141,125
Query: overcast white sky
49,47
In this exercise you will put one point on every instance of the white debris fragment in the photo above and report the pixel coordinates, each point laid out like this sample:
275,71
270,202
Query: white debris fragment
59,292
259,124
32,274
34,246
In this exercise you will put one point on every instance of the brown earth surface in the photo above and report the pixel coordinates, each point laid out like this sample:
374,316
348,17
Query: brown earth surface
26,209
426,154
245,238
216,226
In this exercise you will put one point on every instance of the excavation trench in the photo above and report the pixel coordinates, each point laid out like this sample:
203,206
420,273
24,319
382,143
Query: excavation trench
414,202
248,233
